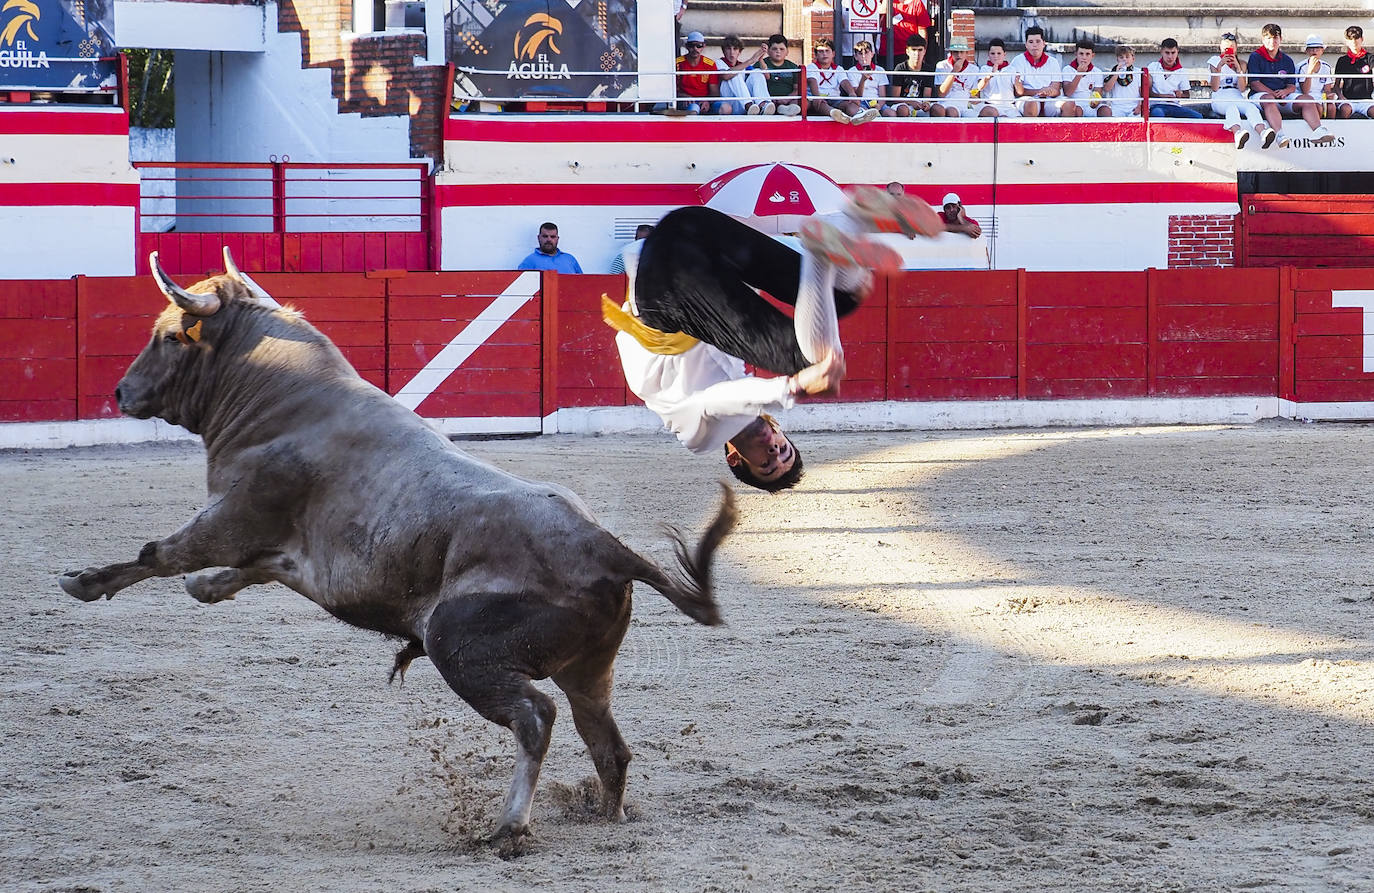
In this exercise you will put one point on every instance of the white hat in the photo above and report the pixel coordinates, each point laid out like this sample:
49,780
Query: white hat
951,198
958,45
694,37
1315,41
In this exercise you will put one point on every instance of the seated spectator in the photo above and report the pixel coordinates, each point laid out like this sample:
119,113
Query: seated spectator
700,90
1228,96
547,256
955,79
744,89
1354,95
956,219
849,40
1123,83
1082,84
641,232
1169,82
995,89
1317,80
1273,84
868,84
781,75
823,84
910,82
1037,77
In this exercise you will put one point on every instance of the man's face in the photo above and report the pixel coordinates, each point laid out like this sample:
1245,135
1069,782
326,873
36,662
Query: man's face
548,241
1084,57
1126,60
777,53
824,56
694,49
730,53
959,57
764,449
1035,45
1271,42
952,210
1169,56
915,57
996,56
1355,44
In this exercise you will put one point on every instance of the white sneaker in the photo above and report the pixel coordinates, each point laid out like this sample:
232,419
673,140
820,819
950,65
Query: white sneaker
769,109
752,109
841,117
790,111
1323,136
1242,137
866,115
1269,137
1284,140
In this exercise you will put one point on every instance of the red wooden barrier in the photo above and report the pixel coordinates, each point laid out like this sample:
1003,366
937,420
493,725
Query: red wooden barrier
38,351
1330,356
1308,230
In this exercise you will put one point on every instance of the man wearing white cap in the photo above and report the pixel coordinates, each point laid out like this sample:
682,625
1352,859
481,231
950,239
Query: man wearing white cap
956,219
1316,79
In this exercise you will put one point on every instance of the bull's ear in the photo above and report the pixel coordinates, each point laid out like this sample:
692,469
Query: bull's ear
196,305
256,290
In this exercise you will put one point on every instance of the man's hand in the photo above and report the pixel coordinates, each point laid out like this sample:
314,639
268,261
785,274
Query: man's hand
820,379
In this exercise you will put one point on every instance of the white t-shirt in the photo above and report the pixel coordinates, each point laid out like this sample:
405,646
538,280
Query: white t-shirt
1166,83
1322,81
1130,90
1037,78
876,85
1229,77
963,83
999,85
827,79
1092,80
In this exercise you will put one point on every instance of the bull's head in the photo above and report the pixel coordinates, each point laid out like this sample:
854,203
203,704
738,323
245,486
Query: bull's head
183,330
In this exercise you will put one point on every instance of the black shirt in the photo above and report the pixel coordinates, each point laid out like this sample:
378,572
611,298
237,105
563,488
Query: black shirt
913,86
1355,88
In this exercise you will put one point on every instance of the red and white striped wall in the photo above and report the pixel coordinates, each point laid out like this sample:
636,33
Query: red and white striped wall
68,195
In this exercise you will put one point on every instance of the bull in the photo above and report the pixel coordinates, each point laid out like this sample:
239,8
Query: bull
322,482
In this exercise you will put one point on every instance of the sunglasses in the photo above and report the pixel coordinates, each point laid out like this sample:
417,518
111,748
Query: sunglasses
695,46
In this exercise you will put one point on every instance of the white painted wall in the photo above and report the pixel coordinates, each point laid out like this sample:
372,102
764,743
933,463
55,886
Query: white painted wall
200,26
59,242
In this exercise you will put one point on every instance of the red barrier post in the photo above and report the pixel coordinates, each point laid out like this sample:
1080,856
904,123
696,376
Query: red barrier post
548,378
1288,341
1022,323
1151,331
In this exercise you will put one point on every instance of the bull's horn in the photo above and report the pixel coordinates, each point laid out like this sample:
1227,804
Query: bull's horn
257,290
196,305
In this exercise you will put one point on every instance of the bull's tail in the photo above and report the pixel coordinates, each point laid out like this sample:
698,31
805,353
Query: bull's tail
689,589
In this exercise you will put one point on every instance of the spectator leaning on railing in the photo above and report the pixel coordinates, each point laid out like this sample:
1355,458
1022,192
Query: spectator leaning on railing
743,88
782,76
1273,84
1354,87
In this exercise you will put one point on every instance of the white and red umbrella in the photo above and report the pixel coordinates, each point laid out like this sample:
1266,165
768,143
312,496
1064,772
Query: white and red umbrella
773,197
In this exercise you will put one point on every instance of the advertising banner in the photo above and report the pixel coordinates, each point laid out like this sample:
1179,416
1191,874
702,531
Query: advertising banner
560,49
57,44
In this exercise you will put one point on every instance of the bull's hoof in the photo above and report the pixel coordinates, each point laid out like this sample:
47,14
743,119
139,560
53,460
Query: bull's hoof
510,840
78,584
207,589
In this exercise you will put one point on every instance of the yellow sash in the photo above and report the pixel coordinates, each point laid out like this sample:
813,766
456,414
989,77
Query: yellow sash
654,341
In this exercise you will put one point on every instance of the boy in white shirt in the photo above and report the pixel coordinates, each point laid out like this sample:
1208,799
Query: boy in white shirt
1169,83
1082,84
995,89
1228,96
955,79
1317,80
868,84
1122,83
1038,77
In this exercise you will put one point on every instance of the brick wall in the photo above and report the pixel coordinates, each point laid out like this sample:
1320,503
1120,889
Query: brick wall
373,74
1202,240
961,22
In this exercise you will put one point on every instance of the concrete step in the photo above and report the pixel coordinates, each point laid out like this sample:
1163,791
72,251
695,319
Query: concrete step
752,20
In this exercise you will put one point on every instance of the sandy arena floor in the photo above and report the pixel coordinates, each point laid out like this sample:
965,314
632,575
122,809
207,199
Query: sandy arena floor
1109,659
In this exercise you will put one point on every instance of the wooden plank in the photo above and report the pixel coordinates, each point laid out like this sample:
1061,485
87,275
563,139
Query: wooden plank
1272,203
954,359
1333,322
1306,279
1084,388
1086,325
1316,225
1085,289
1216,386
1323,391
1217,359
953,288
577,397
955,324
958,389
1106,361
1303,247
1227,322
1206,286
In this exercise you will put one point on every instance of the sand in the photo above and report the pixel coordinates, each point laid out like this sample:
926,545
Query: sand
1126,659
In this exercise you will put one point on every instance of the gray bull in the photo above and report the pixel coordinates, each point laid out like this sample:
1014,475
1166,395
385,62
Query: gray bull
320,481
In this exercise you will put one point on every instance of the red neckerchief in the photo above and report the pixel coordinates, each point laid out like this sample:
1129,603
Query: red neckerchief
1074,66
1354,58
1264,51
1178,63
872,66
950,60
1044,57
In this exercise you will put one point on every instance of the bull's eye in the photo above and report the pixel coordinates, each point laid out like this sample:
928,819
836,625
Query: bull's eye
181,336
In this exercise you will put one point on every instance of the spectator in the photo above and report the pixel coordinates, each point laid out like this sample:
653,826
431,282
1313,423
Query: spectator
1354,95
823,86
995,88
910,82
1317,79
547,256
956,219
1228,96
955,79
700,89
1082,84
895,188
1122,83
910,18
1168,81
1273,81
641,232
745,88
850,39
1037,76
780,73
867,83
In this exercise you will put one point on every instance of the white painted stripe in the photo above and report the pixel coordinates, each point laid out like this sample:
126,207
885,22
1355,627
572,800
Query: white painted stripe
473,336
1364,299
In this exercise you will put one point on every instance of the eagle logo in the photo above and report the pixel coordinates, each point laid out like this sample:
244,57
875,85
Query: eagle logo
539,29
27,14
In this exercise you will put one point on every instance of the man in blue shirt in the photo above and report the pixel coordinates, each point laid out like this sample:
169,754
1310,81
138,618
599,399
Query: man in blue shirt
547,256
1273,85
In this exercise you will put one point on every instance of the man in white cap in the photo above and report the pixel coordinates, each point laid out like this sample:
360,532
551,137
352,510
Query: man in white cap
1316,79
956,219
